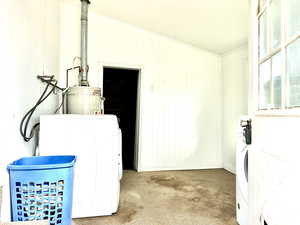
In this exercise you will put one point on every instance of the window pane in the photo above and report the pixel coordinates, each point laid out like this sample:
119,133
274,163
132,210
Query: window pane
264,85
293,73
276,23
263,40
276,78
293,20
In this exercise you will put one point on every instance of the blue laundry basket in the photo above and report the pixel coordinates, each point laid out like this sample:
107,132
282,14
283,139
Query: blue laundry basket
41,188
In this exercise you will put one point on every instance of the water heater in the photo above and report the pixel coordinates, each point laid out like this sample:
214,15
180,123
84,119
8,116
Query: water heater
84,100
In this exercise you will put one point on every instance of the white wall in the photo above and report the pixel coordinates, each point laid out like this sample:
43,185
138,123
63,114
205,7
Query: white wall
180,88
29,46
235,100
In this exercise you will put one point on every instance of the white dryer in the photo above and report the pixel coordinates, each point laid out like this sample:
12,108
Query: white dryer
242,174
96,141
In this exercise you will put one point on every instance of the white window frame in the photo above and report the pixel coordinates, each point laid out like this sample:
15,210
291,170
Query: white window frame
256,61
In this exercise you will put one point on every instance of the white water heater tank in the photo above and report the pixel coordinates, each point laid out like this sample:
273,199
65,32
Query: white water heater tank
84,100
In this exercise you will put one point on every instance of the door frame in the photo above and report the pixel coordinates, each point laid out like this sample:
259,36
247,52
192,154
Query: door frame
138,123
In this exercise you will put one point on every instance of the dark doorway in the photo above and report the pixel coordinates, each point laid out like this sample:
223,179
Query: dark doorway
120,92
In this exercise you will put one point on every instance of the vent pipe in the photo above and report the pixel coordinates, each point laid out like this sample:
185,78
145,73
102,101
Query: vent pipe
83,76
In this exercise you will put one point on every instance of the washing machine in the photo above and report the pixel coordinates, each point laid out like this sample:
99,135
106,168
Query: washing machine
96,141
243,145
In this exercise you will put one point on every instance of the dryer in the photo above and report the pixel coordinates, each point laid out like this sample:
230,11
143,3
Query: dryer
243,139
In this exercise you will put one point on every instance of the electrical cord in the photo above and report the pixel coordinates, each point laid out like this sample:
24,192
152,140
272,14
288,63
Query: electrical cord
28,115
62,101
61,104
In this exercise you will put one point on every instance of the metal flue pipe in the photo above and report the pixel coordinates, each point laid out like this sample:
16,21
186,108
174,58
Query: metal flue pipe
83,79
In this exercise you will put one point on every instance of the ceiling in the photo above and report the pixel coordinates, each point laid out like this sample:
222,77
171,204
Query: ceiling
214,25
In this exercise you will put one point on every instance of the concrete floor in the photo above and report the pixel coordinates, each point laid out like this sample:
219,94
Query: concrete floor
199,197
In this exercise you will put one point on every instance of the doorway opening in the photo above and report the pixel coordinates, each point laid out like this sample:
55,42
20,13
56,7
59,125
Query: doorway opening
121,92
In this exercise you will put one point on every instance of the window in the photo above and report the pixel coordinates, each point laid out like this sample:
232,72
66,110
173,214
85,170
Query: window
278,54
293,73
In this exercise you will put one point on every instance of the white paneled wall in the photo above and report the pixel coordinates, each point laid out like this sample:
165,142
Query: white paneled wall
235,100
180,125
29,45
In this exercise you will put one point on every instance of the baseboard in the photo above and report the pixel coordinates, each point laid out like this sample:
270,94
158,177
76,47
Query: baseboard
230,168
179,168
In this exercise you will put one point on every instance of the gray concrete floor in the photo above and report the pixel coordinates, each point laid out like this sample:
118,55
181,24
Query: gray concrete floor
198,197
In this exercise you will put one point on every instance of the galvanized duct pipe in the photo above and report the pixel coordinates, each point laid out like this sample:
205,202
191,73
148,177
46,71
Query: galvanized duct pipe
83,80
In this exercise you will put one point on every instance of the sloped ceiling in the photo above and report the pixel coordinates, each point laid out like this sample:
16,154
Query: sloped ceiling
214,25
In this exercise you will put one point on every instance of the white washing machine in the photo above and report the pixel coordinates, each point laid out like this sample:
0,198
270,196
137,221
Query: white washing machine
242,174
96,141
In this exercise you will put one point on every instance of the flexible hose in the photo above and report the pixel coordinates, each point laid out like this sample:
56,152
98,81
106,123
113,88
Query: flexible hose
62,100
27,117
